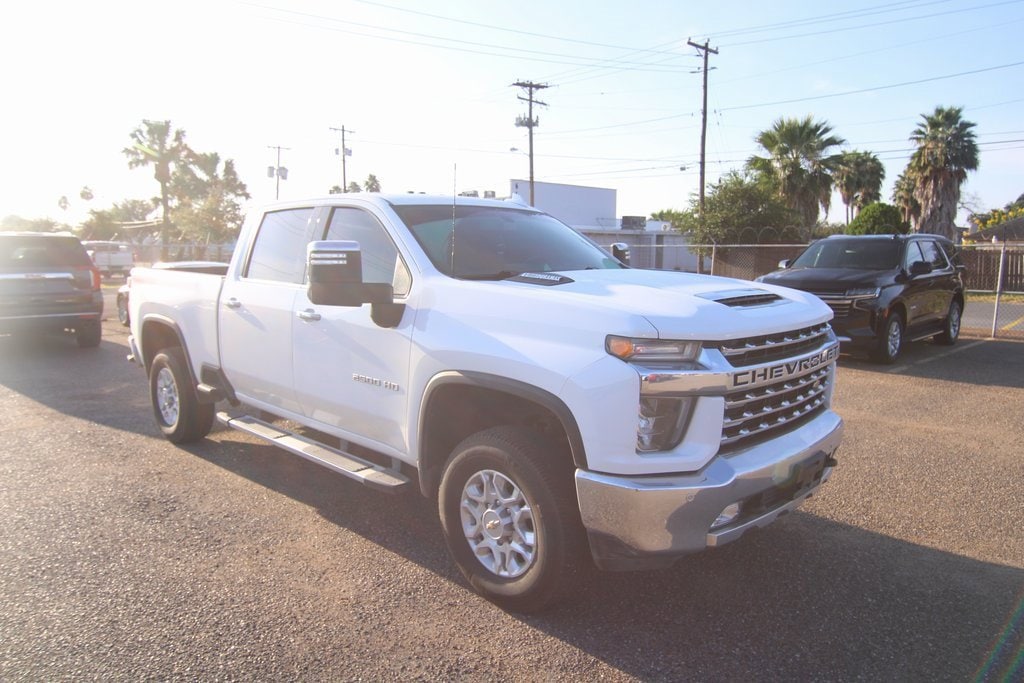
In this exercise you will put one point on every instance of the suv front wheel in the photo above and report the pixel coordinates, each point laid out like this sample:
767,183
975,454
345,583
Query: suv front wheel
890,342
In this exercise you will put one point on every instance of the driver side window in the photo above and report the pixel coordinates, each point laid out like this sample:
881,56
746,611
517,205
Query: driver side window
912,255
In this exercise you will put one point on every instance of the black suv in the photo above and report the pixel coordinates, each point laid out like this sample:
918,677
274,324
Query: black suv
883,289
49,283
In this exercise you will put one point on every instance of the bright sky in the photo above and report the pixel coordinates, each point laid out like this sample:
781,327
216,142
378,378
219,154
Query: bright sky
426,88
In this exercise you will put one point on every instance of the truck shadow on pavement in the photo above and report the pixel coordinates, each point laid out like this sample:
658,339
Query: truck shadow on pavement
807,598
97,385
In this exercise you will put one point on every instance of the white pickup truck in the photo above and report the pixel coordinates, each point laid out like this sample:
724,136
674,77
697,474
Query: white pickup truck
552,399
110,258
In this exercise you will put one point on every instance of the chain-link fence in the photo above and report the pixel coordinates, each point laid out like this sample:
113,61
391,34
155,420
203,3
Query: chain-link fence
994,275
151,253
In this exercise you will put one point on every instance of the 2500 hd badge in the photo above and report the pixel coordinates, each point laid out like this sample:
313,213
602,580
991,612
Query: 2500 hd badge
773,373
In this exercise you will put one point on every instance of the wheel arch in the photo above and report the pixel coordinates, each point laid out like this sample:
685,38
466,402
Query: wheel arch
479,401
159,332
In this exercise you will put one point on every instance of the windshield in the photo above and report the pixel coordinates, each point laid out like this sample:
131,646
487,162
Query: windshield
868,254
493,243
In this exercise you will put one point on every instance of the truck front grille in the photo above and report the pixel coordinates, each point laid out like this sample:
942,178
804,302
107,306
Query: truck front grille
766,348
769,407
756,414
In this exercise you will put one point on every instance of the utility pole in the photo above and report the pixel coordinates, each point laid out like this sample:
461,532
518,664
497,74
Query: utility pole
704,121
278,171
345,152
529,122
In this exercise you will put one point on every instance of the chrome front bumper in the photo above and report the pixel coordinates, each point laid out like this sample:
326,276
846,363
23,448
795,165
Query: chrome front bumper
648,521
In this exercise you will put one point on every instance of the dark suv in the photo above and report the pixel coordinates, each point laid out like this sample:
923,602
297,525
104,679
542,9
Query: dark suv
883,289
49,283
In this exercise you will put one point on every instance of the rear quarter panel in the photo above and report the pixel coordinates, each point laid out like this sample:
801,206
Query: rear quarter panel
186,301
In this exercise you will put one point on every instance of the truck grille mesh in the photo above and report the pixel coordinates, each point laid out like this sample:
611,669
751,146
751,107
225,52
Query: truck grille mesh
759,413
755,414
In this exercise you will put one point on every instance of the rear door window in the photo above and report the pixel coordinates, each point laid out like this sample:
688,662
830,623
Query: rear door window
279,252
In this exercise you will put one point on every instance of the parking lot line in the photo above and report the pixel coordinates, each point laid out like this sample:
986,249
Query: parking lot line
937,356
1016,322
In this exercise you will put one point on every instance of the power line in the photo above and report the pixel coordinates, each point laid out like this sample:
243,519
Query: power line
876,24
874,89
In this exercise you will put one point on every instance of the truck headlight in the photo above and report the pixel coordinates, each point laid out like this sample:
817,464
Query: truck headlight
662,422
652,350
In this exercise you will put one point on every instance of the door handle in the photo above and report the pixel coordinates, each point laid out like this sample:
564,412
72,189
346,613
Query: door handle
309,315
233,303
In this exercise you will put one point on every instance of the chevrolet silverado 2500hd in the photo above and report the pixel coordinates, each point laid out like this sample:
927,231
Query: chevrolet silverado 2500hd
553,400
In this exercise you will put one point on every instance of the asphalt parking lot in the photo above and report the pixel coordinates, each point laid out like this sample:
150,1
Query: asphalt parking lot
125,558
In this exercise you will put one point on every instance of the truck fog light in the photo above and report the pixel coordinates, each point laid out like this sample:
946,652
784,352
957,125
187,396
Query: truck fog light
661,423
728,515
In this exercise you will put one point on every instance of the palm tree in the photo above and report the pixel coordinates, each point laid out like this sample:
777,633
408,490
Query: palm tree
154,143
207,197
372,184
801,160
858,177
903,198
946,151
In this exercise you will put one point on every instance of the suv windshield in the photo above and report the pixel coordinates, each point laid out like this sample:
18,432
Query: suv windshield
493,243
858,254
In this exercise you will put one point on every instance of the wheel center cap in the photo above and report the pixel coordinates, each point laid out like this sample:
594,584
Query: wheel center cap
493,525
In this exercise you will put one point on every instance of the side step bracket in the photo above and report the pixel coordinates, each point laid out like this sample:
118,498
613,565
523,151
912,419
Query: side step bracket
353,467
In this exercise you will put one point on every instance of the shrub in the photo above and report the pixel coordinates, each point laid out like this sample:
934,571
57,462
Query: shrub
878,219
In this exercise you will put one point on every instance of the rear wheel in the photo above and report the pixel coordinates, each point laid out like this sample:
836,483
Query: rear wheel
508,508
179,414
890,342
122,310
951,328
88,335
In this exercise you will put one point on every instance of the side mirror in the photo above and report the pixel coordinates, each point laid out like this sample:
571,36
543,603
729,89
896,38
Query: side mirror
620,251
784,263
336,279
920,268
336,276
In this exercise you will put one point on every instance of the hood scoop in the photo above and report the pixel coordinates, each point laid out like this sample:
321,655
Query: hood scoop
742,298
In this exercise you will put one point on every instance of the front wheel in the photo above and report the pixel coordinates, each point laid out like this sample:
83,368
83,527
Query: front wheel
890,342
179,414
951,328
508,509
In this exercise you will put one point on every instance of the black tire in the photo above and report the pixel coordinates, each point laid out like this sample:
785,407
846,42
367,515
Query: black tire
88,335
176,407
890,341
122,310
534,525
951,326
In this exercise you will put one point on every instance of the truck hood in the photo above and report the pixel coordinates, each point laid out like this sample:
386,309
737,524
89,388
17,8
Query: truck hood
678,305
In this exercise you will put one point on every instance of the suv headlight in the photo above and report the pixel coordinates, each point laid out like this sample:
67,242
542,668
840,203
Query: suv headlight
863,293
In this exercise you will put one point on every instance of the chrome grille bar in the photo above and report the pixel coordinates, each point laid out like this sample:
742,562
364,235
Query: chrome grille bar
777,343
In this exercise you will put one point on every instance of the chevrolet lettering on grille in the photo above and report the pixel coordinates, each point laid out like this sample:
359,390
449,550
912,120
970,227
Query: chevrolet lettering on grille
774,373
